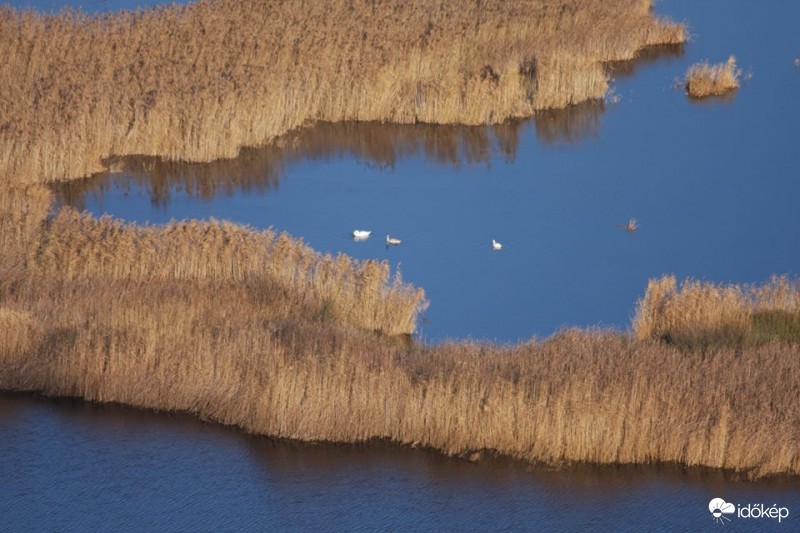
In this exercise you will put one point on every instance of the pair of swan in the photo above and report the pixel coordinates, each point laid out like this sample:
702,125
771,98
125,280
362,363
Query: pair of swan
361,235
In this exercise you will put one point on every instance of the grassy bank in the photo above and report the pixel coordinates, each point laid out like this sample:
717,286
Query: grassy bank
224,332
198,82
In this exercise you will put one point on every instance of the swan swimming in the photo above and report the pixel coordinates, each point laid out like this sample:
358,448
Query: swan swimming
496,245
392,240
361,234
631,226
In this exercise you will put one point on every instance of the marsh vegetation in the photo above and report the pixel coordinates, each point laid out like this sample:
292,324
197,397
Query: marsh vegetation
255,329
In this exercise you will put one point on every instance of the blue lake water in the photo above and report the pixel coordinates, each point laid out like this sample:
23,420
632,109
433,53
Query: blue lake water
713,184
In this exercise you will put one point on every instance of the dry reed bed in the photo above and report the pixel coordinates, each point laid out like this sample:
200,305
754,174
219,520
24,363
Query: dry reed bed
88,310
704,80
198,82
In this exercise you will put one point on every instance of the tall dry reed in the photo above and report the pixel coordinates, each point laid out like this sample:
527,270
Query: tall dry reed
197,82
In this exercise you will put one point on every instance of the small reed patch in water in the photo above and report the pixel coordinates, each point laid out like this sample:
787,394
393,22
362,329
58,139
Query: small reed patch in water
703,79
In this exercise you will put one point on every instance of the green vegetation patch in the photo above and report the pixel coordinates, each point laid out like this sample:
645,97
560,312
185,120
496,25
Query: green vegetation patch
775,326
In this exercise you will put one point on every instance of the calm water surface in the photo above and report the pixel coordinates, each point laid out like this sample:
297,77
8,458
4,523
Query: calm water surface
713,184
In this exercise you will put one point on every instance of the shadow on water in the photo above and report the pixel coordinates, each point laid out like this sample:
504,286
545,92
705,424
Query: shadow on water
571,125
276,454
258,170
325,458
661,53
728,97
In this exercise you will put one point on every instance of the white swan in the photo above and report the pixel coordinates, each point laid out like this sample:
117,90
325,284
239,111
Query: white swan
392,240
361,234
496,245
631,226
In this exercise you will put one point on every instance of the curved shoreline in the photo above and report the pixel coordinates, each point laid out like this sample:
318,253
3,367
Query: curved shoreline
486,457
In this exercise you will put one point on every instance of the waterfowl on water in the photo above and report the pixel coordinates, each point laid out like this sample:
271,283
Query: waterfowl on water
631,226
496,245
361,234
392,240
